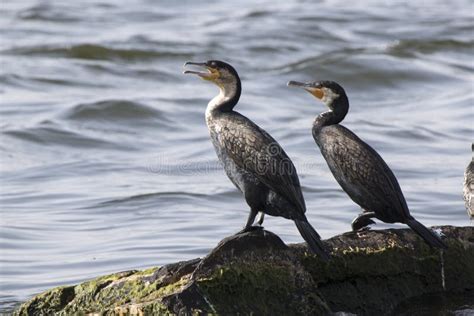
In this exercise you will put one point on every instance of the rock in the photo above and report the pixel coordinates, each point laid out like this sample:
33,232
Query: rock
256,273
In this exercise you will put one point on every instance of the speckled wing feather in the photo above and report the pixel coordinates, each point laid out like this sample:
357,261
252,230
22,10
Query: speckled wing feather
362,166
468,188
254,150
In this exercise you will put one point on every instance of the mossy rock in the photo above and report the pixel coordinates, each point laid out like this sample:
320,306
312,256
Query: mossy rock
255,273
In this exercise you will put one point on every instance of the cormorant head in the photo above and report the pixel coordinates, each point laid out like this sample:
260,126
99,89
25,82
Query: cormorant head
219,72
330,92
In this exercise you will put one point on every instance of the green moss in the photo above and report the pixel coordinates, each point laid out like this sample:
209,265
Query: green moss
131,291
263,289
458,266
357,279
148,271
170,288
152,308
48,302
366,262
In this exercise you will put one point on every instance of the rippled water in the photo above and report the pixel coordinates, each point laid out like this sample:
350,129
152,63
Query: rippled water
106,161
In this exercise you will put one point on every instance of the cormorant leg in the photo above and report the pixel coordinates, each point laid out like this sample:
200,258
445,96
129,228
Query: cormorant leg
261,216
248,227
362,221
251,218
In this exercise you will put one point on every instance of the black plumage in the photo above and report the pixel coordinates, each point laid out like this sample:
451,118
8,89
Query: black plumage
358,168
252,159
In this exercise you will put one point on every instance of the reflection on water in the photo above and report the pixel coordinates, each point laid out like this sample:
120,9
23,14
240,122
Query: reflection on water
106,161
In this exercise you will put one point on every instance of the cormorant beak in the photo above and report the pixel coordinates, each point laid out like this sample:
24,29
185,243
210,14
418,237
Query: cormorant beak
211,74
317,92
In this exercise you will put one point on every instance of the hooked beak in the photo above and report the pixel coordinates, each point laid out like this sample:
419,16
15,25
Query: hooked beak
317,92
210,73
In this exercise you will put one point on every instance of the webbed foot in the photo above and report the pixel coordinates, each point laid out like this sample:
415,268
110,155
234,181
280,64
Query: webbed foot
249,229
361,222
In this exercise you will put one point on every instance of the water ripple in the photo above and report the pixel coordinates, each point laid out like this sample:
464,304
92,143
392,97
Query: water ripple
408,47
50,133
107,110
93,52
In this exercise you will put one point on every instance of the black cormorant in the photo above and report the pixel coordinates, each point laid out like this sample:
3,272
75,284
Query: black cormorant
357,167
252,159
468,188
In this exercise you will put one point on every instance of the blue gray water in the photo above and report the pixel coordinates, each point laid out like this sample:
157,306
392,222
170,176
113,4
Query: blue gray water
106,163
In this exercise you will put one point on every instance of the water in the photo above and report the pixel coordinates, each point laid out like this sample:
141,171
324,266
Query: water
106,162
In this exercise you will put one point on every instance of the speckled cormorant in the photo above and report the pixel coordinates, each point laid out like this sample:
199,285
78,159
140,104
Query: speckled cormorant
357,167
252,159
468,188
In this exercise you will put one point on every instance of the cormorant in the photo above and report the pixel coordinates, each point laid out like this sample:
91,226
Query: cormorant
468,188
252,159
357,167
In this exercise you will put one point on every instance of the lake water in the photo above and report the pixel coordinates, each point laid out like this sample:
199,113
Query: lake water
106,162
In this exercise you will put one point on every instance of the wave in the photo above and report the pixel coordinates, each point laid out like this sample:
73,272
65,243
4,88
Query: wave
93,52
94,125
45,12
258,13
172,196
153,196
35,82
114,110
408,47
401,48
48,133
330,57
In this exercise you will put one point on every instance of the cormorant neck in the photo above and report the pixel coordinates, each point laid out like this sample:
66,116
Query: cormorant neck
337,112
227,98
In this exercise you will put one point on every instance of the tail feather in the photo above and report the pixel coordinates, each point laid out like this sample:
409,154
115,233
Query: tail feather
312,238
427,234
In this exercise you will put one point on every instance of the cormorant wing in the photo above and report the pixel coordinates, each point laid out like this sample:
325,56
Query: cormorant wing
254,150
366,169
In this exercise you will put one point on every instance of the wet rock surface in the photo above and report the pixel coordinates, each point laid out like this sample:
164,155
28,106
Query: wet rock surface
370,273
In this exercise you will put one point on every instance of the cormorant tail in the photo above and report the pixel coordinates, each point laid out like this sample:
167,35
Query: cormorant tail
427,234
312,238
